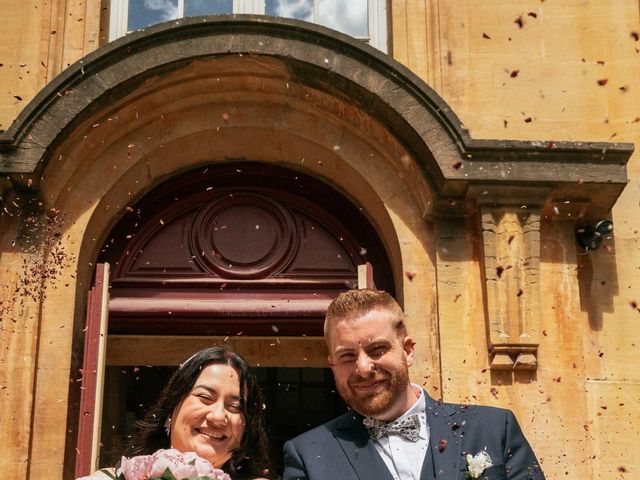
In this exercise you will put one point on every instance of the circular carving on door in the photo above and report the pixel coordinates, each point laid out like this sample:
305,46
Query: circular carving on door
244,235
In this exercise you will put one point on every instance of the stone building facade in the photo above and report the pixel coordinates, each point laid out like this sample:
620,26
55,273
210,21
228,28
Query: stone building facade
220,179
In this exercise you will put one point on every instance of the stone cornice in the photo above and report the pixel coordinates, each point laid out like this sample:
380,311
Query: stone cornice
457,166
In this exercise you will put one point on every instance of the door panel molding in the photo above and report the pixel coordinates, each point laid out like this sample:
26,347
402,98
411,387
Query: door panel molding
165,350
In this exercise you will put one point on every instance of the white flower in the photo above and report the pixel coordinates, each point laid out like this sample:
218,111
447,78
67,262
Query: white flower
478,463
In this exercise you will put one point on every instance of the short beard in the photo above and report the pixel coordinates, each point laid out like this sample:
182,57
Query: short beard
376,404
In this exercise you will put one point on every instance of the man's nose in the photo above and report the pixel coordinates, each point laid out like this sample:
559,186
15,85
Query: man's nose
364,364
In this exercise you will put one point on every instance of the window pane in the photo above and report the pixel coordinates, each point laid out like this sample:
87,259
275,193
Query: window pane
207,7
347,17
299,9
148,12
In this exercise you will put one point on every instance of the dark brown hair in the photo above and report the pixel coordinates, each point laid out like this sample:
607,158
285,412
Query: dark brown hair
251,458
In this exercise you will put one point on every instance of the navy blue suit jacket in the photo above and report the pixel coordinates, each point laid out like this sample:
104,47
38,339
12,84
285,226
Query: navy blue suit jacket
342,449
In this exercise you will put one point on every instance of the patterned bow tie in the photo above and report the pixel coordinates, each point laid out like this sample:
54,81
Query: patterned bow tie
408,428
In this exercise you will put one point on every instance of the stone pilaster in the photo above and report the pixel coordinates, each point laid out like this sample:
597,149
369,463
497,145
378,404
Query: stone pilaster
511,250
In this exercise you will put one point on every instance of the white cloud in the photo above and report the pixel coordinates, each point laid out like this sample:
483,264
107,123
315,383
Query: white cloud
346,16
167,9
300,9
349,17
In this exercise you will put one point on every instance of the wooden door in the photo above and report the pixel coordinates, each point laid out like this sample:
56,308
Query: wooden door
243,249
90,421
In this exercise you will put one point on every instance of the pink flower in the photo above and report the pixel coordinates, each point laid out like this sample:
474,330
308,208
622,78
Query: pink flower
174,461
181,465
204,468
135,468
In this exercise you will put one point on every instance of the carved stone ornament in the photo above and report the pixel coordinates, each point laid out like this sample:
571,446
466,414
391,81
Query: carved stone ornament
511,242
235,248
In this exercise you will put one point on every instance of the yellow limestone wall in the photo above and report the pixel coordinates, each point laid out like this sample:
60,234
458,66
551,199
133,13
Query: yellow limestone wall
38,40
552,69
547,69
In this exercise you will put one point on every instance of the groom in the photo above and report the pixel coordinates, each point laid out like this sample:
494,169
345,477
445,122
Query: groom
393,429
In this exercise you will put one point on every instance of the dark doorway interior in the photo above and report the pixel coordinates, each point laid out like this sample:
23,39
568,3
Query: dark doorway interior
297,399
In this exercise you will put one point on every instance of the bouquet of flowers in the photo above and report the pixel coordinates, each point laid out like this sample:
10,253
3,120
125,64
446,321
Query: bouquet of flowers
163,465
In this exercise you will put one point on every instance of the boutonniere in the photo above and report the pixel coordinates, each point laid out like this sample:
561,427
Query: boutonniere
478,463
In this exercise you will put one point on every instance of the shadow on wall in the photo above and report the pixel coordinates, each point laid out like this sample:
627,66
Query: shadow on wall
598,282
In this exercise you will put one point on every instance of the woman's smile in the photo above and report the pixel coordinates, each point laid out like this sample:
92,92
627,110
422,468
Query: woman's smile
210,420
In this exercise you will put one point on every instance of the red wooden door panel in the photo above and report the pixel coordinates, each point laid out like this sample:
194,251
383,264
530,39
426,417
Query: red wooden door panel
93,374
238,248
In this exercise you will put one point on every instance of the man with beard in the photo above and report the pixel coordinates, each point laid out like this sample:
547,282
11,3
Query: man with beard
394,430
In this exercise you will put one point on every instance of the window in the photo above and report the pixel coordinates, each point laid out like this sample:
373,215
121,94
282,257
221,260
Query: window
362,19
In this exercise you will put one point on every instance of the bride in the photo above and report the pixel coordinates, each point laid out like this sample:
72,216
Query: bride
211,406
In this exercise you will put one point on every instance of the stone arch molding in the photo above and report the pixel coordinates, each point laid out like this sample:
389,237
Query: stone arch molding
460,170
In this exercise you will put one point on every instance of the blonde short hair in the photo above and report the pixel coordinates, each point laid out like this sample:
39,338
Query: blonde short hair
356,303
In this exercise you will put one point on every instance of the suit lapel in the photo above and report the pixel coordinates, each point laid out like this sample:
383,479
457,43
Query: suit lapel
443,459
428,472
359,449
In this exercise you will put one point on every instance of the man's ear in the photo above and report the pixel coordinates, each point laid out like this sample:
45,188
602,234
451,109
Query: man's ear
407,345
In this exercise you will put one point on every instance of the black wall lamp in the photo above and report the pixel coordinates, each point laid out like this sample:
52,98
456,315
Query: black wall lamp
590,238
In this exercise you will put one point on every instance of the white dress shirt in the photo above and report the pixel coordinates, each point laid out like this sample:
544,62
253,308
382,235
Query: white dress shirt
403,457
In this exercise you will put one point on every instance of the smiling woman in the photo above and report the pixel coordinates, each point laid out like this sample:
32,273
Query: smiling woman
210,420
212,405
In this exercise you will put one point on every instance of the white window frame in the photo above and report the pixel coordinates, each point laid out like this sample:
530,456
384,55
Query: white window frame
377,12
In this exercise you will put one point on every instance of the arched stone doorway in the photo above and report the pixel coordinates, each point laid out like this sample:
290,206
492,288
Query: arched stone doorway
243,254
